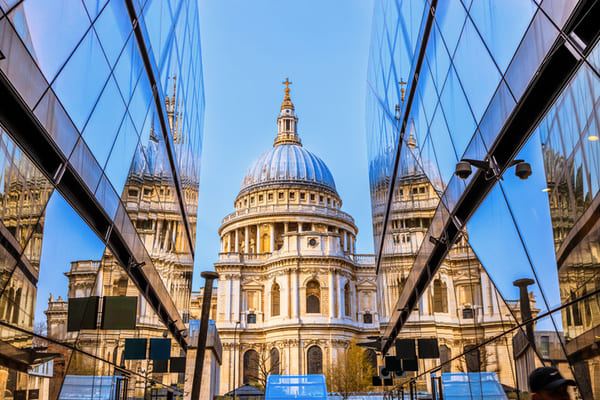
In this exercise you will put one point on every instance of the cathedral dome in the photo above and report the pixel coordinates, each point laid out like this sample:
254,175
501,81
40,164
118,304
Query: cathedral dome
288,163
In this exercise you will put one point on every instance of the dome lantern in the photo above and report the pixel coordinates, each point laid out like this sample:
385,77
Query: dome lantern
287,120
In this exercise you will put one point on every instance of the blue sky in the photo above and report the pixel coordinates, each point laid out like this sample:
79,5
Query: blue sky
248,49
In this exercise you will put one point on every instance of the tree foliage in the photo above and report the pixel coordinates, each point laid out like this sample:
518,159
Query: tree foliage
351,372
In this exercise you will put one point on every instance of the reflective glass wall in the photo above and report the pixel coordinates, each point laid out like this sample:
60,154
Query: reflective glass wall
100,141
509,284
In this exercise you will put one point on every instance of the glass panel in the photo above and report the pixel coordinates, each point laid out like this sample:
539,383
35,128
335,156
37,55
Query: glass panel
43,378
493,18
450,16
444,149
24,192
480,79
495,116
54,118
559,10
536,43
492,224
102,128
140,103
94,6
128,69
18,65
157,17
122,155
529,205
82,79
113,27
66,239
437,55
456,113
86,166
54,29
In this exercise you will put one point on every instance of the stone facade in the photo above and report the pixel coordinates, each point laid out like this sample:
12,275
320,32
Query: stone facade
292,293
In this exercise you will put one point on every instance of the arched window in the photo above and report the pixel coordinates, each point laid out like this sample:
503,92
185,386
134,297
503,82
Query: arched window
440,297
250,366
371,358
275,300
347,300
274,361
445,355
315,360
313,297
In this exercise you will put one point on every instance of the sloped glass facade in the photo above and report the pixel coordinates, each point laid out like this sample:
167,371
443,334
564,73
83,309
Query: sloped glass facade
495,82
100,138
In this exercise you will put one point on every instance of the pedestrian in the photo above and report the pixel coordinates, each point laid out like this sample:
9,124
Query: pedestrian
546,383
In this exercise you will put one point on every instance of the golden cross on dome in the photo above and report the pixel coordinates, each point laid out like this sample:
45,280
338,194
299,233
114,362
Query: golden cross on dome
287,84
402,90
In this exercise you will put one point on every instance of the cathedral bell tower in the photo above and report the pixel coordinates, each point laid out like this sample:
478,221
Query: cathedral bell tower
287,121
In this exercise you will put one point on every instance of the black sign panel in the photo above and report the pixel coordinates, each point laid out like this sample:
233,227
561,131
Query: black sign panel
119,312
393,363
82,313
410,365
405,349
160,349
177,364
428,348
135,349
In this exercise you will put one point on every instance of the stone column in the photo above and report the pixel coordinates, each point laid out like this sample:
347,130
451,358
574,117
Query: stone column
267,303
272,234
237,243
246,240
299,226
288,294
345,247
236,297
338,294
294,294
426,300
285,227
258,249
331,294
452,297
227,285
230,249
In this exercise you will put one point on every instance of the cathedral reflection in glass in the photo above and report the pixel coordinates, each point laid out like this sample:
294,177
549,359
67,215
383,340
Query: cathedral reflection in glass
501,267
100,137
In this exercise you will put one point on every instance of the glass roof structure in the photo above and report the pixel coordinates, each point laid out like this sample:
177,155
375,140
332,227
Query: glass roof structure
496,85
300,387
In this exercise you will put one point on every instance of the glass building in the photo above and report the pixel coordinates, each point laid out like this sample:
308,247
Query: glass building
101,113
482,123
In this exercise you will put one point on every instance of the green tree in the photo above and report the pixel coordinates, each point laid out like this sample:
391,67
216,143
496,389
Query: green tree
351,372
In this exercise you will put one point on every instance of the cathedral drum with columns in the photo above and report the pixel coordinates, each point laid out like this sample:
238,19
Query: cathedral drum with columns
292,293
